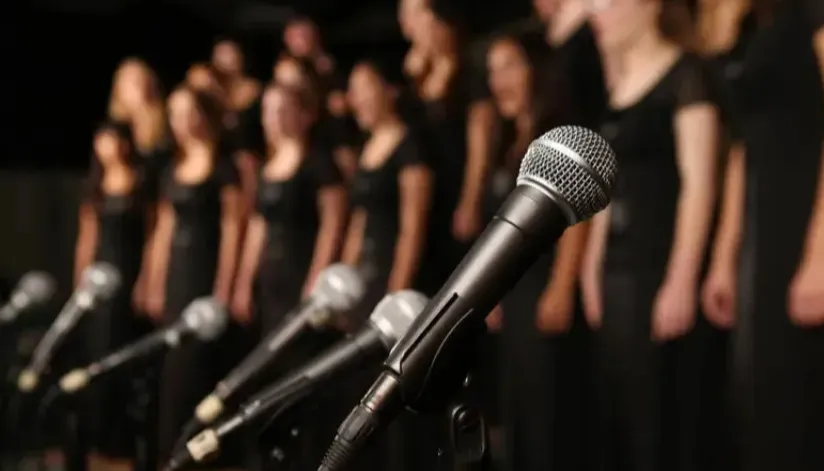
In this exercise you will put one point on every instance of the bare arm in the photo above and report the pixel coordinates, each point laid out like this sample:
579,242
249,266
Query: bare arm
332,210
814,246
252,248
728,237
86,240
415,184
480,120
354,238
232,212
696,131
347,161
569,255
161,247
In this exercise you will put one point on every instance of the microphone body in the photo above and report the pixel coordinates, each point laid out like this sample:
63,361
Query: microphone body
148,345
565,177
203,318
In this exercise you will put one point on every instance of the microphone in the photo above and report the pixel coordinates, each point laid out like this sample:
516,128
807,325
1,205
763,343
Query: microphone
388,322
337,291
566,177
204,319
34,290
99,282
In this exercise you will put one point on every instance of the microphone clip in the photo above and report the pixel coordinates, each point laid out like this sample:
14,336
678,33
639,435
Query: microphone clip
468,433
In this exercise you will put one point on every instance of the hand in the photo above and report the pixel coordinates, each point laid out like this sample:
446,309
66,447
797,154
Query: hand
241,307
466,222
308,285
719,296
155,303
674,309
591,297
806,294
555,308
415,62
495,319
139,295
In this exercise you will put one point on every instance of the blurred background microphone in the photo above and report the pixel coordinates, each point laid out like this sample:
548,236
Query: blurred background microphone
204,319
35,289
98,283
389,321
336,292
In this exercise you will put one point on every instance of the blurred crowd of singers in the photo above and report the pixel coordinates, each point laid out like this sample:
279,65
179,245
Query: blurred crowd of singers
681,329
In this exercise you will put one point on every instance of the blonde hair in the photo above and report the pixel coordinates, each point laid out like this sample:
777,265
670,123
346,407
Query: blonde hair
154,105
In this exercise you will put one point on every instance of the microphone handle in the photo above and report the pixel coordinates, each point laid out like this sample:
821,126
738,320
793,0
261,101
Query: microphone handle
167,337
274,343
362,348
54,337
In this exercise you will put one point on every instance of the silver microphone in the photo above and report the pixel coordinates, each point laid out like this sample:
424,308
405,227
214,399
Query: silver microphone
35,289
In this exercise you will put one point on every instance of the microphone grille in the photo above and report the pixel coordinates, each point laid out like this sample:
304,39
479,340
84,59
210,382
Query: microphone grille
206,318
38,286
340,287
395,313
576,165
101,279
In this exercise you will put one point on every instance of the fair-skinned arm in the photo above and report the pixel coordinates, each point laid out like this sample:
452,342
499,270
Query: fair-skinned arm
253,242
353,242
159,259
86,245
719,292
696,138
806,303
415,182
332,211
480,120
592,268
231,203
557,303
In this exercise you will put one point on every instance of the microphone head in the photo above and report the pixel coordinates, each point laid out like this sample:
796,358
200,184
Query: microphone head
394,314
339,287
205,318
101,280
576,166
35,288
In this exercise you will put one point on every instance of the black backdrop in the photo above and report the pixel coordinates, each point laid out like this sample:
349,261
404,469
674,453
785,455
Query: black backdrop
58,55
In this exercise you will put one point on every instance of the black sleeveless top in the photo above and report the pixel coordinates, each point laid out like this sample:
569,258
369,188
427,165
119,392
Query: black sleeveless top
644,198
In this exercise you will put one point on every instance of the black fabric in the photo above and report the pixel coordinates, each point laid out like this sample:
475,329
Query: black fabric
652,397
121,221
655,411
645,195
191,371
782,127
290,209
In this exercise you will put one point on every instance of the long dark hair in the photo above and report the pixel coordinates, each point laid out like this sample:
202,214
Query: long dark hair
676,23
549,96
212,111
122,132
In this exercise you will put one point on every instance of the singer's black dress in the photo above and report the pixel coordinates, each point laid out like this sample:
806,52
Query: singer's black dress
121,219
651,395
290,209
409,443
779,367
190,372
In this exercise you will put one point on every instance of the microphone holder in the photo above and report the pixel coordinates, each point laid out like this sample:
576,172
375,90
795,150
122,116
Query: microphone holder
468,432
